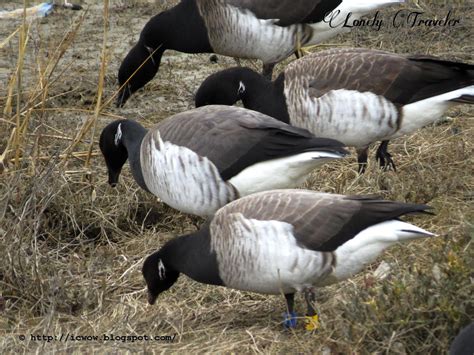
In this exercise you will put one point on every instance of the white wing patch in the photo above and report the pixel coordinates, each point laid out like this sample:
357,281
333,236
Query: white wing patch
421,113
355,118
348,10
360,118
239,33
366,246
281,173
263,256
181,178
118,135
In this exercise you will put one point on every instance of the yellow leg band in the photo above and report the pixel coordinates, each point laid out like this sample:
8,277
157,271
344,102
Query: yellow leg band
312,323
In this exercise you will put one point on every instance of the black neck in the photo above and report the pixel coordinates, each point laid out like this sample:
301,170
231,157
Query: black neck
191,255
180,28
132,137
266,97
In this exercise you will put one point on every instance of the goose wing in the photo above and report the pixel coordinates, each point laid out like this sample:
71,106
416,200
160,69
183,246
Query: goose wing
234,138
320,221
288,12
400,79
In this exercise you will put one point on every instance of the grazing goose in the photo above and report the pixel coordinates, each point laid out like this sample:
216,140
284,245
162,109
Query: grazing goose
269,30
463,344
199,160
282,242
358,96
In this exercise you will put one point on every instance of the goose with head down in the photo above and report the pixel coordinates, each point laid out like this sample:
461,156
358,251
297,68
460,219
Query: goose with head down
358,96
199,160
463,344
269,30
283,242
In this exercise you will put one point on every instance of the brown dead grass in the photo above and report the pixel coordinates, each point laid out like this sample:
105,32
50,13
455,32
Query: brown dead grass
72,247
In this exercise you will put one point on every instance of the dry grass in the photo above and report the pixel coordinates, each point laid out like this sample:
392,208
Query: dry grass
72,247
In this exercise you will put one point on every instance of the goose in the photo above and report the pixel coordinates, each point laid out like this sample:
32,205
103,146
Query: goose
463,344
283,242
359,96
269,30
199,160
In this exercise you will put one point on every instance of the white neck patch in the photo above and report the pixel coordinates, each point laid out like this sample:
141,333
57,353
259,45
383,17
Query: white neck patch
151,51
241,88
118,135
161,270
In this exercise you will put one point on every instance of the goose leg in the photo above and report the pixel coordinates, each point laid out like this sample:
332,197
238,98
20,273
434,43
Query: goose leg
312,319
267,70
384,157
196,221
289,318
362,154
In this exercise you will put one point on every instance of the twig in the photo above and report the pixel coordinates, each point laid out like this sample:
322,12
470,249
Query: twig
62,156
100,89
21,56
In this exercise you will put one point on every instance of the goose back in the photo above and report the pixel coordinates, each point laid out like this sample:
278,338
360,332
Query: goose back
234,138
288,12
320,221
400,79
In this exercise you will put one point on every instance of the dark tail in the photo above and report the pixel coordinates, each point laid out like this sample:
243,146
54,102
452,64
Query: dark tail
465,99
442,76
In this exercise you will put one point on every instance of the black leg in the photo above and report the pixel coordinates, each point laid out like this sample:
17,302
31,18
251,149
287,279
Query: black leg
362,159
196,221
290,302
298,54
267,71
310,298
384,157
289,318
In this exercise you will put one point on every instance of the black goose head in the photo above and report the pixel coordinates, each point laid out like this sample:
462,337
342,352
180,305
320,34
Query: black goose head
113,149
143,61
119,141
159,276
130,77
225,87
254,90
180,28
